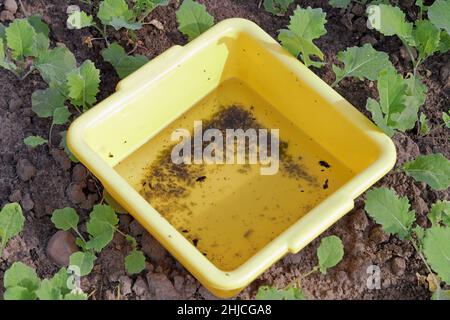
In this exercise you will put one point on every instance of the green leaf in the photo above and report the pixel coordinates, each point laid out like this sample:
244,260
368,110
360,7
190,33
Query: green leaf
426,38
131,240
83,85
122,63
135,262
433,169
76,296
277,7
65,219
193,19
41,45
361,62
340,3
20,37
4,61
2,31
147,6
117,14
113,203
436,247
101,227
414,97
440,213
45,102
420,232
19,293
80,243
444,44
79,20
439,14
270,293
39,25
424,128
390,21
329,253
55,64
392,212
61,115
54,288
63,144
21,281
84,261
305,26
377,116
11,222
446,119
34,141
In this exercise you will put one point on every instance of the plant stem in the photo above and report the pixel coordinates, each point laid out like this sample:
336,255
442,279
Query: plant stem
79,234
419,252
27,73
315,269
50,135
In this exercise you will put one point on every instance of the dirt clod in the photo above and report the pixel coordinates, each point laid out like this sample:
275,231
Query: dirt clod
79,173
161,288
140,288
27,203
377,235
153,249
25,170
61,158
75,193
398,266
60,247
15,103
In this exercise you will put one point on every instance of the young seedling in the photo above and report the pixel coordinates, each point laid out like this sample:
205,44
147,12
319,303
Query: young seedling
305,26
399,103
329,254
193,19
11,223
22,283
277,7
22,43
101,226
432,245
424,128
423,35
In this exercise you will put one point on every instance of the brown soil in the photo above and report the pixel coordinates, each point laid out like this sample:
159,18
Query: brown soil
44,179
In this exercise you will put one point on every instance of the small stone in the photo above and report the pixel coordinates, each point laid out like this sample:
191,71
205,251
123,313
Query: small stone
79,173
140,287
61,158
11,6
25,170
6,16
27,203
16,196
157,24
358,220
152,248
60,247
161,287
15,104
136,229
75,193
378,236
398,266
125,285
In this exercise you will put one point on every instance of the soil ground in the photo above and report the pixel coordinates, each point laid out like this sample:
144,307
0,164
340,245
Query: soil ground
44,179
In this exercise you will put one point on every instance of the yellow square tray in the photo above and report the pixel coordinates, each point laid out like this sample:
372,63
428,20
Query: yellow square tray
235,62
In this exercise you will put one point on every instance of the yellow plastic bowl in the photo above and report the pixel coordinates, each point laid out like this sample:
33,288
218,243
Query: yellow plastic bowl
237,63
